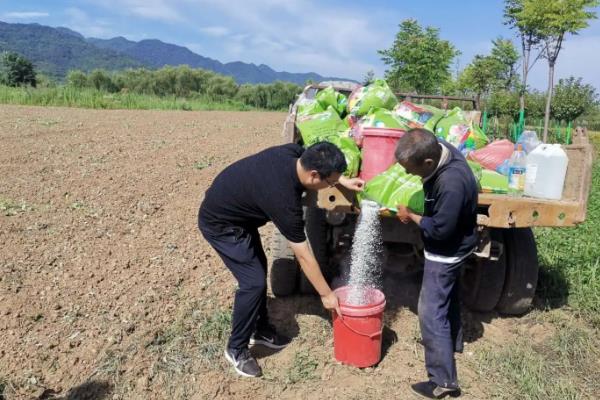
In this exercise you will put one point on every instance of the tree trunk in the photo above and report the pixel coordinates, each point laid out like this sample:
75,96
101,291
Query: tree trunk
548,100
523,89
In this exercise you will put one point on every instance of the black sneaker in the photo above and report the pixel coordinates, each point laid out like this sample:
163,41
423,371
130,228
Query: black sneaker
430,390
269,338
243,362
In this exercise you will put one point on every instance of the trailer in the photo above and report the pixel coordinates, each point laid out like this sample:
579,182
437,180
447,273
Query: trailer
502,274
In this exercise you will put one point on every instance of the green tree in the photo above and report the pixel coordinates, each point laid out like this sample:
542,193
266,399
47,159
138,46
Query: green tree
506,54
77,79
554,20
480,76
572,98
418,60
101,80
368,78
16,70
530,36
503,103
221,87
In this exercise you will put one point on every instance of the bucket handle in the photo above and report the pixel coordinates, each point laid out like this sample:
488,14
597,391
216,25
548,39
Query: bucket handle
369,335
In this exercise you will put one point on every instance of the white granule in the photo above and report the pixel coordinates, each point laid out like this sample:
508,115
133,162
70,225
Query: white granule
365,264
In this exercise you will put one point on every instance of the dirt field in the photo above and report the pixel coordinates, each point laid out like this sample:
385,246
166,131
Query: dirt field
107,290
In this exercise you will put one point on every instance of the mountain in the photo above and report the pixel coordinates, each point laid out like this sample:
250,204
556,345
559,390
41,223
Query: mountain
55,51
155,53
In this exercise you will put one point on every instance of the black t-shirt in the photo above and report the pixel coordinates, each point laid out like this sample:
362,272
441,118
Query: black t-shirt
257,189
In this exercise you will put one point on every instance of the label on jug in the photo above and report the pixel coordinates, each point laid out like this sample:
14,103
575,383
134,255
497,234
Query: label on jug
531,173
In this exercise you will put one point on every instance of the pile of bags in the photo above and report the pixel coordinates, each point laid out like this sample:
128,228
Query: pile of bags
333,117
495,160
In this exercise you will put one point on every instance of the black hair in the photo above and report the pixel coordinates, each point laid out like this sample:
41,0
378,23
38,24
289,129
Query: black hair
325,158
416,146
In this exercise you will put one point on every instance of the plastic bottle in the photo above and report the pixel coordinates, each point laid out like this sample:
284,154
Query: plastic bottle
529,140
516,171
546,172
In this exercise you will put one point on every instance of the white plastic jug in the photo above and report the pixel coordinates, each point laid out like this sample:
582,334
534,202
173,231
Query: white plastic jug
546,171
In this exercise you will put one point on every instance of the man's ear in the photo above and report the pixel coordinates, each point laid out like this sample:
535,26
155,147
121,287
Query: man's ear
314,174
429,163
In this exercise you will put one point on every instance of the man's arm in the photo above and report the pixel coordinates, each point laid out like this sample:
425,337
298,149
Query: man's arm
311,269
355,184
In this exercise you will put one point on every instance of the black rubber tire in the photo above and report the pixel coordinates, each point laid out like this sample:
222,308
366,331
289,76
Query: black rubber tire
522,269
482,280
317,233
284,269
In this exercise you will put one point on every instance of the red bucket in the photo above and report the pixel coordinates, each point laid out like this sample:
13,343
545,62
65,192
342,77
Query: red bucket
378,146
357,337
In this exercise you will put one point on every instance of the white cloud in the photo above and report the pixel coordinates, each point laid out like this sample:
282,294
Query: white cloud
294,35
25,14
216,31
80,21
161,10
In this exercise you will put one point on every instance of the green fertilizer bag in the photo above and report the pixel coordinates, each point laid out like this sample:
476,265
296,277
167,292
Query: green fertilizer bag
394,187
314,126
376,95
329,97
382,118
309,107
493,182
350,150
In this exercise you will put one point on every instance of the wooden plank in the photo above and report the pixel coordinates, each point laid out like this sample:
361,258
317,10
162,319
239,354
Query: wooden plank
510,212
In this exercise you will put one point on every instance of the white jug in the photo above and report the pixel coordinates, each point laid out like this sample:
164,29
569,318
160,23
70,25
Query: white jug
546,171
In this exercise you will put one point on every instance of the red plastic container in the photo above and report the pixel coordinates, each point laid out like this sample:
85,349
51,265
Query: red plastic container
378,146
357,337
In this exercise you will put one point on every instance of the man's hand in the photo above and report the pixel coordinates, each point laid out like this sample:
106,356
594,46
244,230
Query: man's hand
331,302
355,184
403,214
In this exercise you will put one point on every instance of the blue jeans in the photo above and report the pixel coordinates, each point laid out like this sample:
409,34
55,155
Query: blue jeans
439,318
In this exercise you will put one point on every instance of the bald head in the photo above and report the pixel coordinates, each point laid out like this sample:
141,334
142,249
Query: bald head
419,152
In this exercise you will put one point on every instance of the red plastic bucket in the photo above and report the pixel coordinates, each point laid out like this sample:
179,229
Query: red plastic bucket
378,146
357,337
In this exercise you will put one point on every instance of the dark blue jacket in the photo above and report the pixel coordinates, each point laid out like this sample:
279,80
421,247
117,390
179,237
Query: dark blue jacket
449,223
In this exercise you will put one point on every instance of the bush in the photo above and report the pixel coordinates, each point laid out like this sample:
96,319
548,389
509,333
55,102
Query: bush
16,70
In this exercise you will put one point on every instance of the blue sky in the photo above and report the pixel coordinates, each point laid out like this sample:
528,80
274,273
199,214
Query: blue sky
333,38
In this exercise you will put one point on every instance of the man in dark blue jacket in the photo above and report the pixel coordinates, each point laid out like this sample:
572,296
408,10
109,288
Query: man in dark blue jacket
449,227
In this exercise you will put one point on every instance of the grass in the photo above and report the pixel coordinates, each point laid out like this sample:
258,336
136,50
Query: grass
563,366
65,96
194,332
303,367
570,260
203,163
10,208
212,334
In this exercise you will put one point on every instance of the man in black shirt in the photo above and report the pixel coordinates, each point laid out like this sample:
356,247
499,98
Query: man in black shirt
264,187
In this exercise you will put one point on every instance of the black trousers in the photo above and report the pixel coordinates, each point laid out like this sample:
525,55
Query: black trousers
241,251
439,318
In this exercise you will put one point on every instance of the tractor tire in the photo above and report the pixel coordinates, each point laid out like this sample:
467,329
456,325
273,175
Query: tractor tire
317,233
482,280
521,271
284,269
